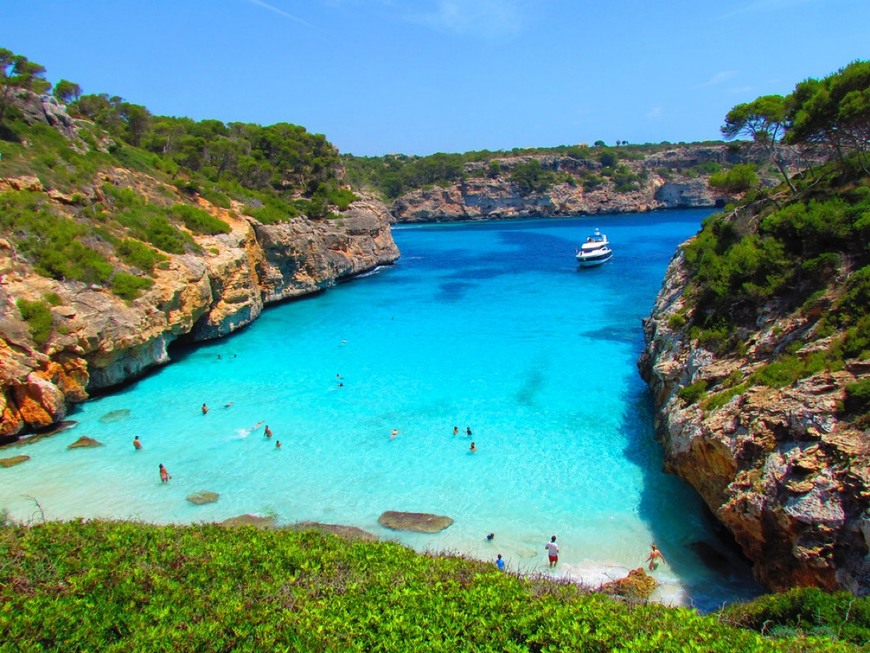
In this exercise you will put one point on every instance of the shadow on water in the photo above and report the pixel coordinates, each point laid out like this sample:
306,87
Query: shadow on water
463,269
704,557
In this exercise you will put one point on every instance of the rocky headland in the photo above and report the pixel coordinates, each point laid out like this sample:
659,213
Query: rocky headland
100,340
781,468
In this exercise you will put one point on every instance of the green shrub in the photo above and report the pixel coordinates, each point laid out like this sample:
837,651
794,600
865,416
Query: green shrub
38,316
128,286
857,401
137,254
738,179
838,616
198,220
692,393
721,398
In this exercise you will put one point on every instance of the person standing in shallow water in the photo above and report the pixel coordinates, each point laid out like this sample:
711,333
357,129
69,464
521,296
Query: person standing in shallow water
655,556
137,445
204,409
164,474
552,551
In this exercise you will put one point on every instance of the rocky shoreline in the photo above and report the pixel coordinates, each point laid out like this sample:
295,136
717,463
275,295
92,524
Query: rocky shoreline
100,340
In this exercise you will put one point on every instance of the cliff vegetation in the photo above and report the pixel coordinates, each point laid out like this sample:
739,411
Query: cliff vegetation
123,232
759,345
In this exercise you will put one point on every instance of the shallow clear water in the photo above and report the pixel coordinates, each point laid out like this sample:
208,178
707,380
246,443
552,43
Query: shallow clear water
488,326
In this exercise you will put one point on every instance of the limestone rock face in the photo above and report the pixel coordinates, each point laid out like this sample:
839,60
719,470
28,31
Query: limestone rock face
778,467
481,197
99,340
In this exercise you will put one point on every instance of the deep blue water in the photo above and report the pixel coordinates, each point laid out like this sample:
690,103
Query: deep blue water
485,326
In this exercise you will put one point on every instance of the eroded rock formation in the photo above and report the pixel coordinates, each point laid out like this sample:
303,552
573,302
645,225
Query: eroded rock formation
779,467
100,340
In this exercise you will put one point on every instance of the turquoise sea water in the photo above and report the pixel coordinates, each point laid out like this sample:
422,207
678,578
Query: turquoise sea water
488,326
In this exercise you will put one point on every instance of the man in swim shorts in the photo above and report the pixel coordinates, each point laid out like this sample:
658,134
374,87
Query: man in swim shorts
552,551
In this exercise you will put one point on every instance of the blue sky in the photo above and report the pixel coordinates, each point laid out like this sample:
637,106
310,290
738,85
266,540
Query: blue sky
425,76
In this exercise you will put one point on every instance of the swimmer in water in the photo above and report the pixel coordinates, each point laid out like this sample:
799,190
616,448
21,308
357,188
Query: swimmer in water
394,434
472,448
204,409
137,445
268,432
164,474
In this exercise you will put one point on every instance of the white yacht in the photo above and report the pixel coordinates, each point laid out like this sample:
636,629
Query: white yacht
595,251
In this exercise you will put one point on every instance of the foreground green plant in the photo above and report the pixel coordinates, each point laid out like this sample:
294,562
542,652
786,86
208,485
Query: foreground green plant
121,586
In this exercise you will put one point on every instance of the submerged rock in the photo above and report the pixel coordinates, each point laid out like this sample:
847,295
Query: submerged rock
14,460
85,442
250,520
203,497
347,532
115,416
420,522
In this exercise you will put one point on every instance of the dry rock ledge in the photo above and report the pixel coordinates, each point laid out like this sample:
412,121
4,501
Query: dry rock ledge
778,467
420,522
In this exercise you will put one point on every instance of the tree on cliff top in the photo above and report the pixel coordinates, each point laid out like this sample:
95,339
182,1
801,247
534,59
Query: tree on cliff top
17,71
834,111
765,121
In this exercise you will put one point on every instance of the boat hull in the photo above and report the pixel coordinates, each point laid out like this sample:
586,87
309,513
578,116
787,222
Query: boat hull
595,260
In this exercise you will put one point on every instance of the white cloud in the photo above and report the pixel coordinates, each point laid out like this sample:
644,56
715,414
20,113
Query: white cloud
718,78
280,12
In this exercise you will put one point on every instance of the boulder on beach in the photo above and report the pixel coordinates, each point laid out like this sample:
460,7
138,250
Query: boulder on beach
84,442
420,522
637,586
250,520
14,460
203,497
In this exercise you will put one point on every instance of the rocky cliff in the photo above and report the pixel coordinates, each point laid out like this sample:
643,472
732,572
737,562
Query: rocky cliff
780,467
220,284
663,180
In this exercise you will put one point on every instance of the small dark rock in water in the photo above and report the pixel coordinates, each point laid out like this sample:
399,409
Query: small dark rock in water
14,460
83,442
203,497
250,520
419,522
711,556
347,532
115,415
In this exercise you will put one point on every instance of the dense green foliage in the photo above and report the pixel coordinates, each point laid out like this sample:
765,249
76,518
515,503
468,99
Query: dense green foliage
37,314
109,233
739,179
121,587
808,611
395,174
